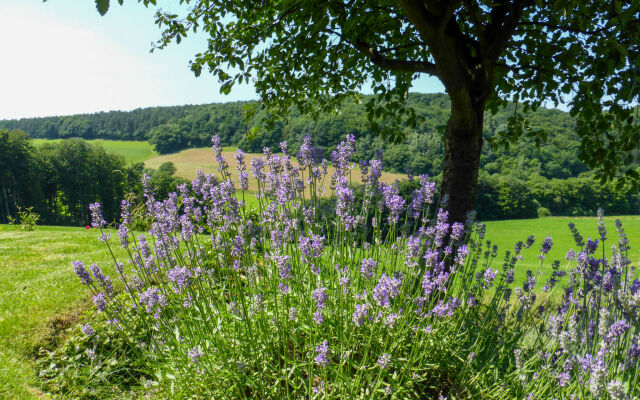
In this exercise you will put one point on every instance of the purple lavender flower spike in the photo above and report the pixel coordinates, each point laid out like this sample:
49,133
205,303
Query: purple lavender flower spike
311,247
309,155
592,246
320,296
83,274
87,330
530,240
195,355
100,300
96,216
368,268
103,280
384,360
181,278
361,313
457,231
323,354
546,246
488,278
386,289
617,329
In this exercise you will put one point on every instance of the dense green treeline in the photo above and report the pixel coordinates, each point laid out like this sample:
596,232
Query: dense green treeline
59,180
171,129
508,197
515,182
116,125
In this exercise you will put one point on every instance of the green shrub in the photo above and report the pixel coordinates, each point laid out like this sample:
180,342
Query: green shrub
26,220
543,212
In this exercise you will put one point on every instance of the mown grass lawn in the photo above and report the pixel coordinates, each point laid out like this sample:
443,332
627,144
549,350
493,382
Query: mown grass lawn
40,294
132,151
506,233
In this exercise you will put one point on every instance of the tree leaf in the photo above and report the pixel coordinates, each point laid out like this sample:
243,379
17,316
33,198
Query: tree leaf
102,6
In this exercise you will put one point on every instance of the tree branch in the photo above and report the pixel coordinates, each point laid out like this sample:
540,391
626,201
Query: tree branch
390,64
504,20
568,29
518,68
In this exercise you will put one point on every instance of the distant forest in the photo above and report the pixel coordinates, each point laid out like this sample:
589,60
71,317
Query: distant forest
522,181
173,129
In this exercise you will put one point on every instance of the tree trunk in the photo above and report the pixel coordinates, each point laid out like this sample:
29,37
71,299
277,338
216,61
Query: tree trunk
6,202
462,147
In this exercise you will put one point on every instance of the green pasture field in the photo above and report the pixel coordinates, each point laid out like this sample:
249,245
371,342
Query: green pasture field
132,151
506,233
41,296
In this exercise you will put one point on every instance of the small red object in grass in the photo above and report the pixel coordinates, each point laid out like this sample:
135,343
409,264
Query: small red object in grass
87,227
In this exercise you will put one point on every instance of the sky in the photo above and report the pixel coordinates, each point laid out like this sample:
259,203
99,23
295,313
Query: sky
61,57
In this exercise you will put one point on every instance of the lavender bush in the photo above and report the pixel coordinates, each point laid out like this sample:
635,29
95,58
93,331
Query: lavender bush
380,297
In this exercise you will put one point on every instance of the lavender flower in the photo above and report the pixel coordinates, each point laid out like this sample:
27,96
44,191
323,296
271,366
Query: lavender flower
546,246
386,289
123,234
488,278
530,240
384,360
591,246
616,390
617,329
442,227
223,166
576,235
309,155
293,314
100,300
91,354
103,280
320,296
368,268
242,169
394,202
311,247
83,274
361,313
96,216
423,195
195,355
181,278
602,230
87,330
391,320
457,231
153,300
323,354
571,255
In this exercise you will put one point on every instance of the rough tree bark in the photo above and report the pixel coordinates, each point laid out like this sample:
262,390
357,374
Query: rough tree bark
462,148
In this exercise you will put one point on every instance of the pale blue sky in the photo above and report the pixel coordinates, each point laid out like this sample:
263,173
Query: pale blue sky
61,57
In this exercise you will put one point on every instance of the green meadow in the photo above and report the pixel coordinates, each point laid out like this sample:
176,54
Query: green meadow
40,295
506,233
132,151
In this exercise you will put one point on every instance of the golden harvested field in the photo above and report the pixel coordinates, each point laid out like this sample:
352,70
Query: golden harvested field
189,161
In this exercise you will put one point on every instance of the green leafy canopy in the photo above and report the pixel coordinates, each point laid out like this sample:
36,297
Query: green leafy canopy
312,55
